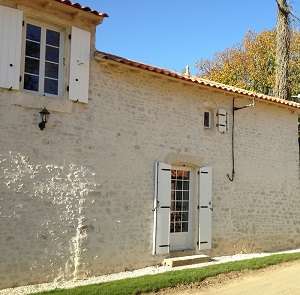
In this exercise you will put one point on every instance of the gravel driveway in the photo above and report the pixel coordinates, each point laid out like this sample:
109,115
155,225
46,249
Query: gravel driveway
278,280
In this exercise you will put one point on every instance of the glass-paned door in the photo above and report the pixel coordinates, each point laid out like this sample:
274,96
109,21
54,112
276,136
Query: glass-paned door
180,227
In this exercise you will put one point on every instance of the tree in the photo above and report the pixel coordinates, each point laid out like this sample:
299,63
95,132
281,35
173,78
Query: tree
283,37
252,63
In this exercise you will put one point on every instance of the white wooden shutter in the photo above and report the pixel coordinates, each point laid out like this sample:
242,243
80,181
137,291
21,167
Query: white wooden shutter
205,207
80,65
11,21
222,120
162,203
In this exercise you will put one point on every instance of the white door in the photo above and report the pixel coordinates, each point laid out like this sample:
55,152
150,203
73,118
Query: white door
181,237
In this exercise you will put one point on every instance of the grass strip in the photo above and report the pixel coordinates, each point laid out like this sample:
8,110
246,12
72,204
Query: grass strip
153,283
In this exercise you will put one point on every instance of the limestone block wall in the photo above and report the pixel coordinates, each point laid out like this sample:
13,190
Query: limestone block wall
76,199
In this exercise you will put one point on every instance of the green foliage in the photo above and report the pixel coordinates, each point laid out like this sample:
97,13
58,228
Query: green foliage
251,64
171,279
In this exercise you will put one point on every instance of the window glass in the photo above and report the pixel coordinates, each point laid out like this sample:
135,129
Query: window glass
53,38
32,66
185,206
180,195
186,185
32,57
52,62
41,71
33,33
52,54
33,49
51,86
31,82
207,119
51,70
185,227
186,195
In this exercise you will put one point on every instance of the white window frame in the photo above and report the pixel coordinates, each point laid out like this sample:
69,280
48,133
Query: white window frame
44,27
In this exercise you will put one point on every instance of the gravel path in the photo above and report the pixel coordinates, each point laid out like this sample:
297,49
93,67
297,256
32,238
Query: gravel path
277,280
130,274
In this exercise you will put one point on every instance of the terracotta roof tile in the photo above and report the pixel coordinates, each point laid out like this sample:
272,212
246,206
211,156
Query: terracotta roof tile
84,8
199,81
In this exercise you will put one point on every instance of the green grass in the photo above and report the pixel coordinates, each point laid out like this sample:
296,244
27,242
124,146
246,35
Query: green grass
152,283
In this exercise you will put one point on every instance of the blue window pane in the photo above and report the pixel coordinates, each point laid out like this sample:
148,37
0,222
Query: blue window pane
52,54
32,66
33,33
31,82
32,49
51,70
51,86
52,38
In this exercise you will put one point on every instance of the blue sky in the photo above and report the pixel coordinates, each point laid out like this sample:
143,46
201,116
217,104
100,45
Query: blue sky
174,33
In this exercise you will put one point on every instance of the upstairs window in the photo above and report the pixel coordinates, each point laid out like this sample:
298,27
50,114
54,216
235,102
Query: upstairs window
43,60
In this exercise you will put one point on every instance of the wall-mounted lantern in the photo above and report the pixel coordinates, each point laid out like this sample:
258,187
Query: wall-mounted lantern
44,118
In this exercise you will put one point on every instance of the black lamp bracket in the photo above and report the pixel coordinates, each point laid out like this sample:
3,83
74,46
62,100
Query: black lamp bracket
251,105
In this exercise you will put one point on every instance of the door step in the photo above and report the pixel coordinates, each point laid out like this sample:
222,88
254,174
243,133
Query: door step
185,260
181,253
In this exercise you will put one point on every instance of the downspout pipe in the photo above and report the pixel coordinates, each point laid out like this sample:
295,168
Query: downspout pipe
231,177
235,109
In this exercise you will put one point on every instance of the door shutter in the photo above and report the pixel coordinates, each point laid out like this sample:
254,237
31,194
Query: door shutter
80,65
11,24
162,203
205,207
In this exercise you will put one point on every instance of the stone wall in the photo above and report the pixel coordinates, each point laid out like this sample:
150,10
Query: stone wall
76,199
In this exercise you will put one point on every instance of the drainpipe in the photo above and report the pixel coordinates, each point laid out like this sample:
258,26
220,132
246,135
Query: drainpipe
235,109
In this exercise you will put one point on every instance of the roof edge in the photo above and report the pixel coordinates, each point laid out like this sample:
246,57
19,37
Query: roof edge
198,81
82,8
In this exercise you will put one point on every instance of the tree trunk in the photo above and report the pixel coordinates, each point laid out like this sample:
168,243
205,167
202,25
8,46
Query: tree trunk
283,37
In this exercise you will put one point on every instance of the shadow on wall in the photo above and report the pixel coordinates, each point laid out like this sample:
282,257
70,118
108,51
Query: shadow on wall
65,187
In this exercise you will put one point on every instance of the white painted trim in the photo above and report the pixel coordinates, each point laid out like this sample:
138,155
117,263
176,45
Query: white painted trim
45,27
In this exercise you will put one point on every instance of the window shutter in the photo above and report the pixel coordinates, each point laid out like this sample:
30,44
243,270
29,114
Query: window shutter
80,65
222,120
162,203
11,21
205,207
